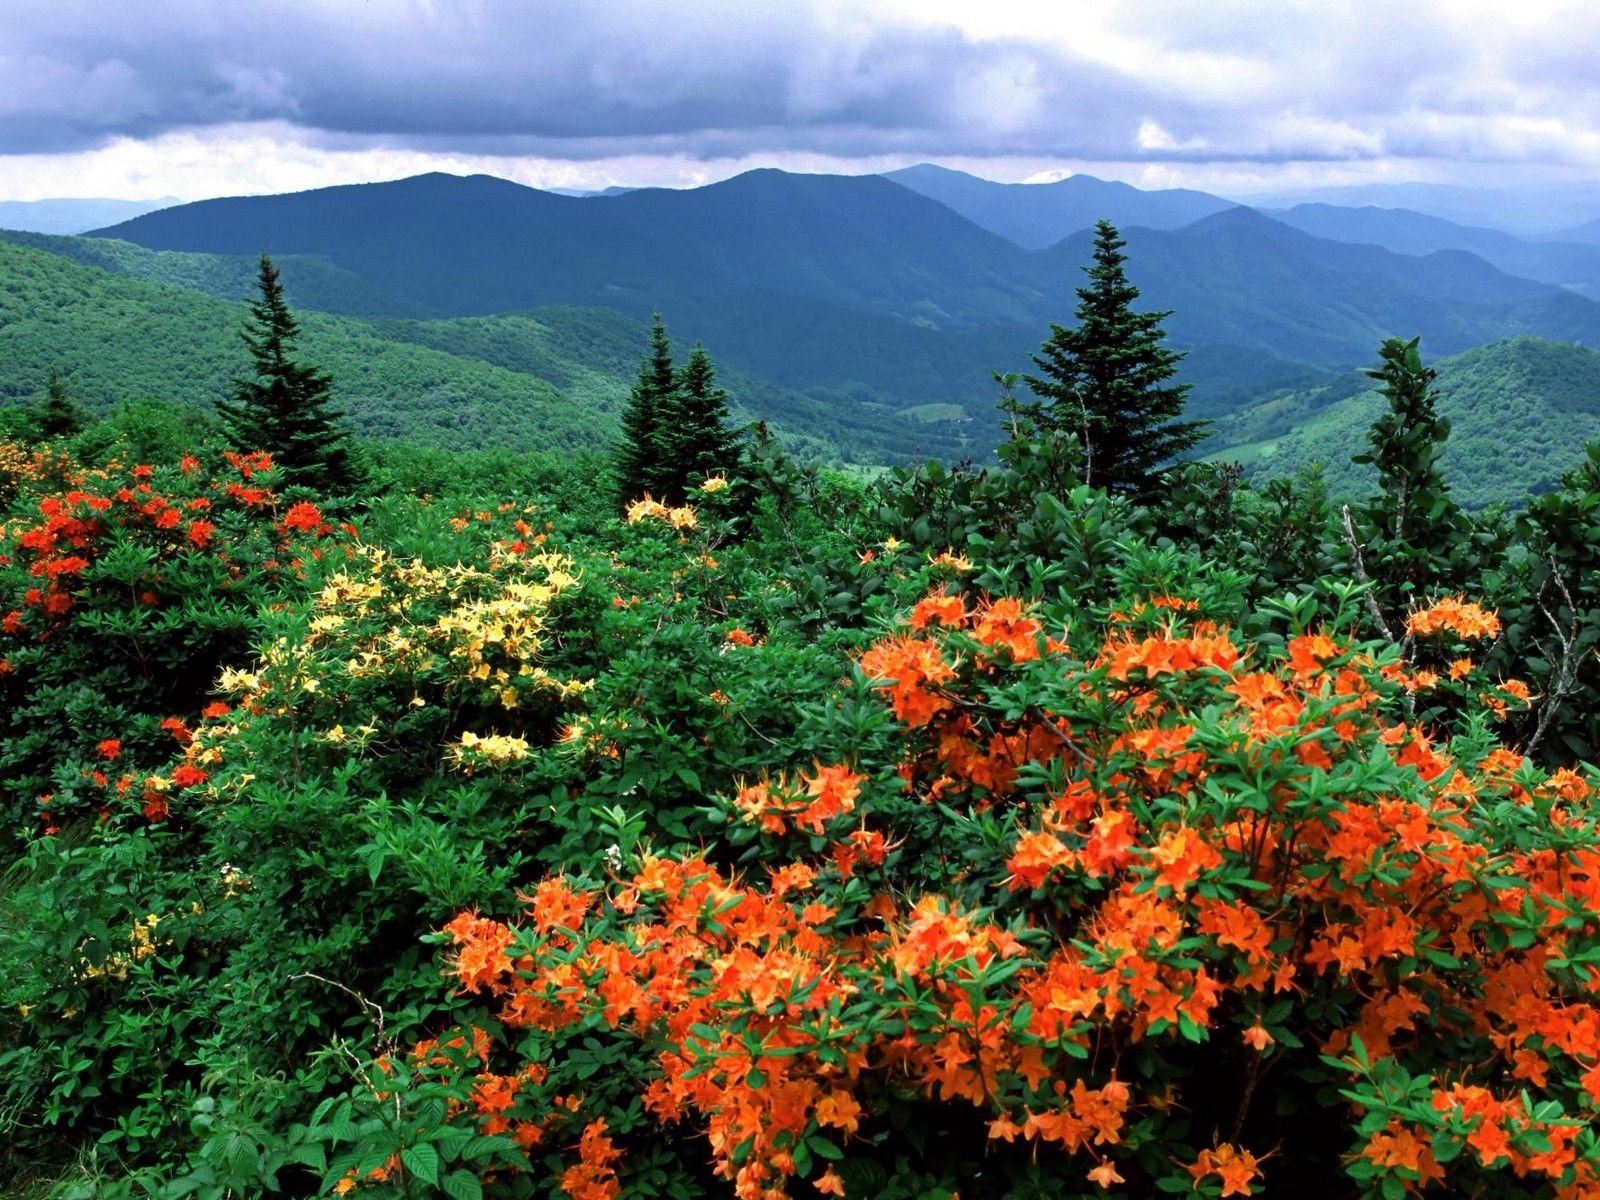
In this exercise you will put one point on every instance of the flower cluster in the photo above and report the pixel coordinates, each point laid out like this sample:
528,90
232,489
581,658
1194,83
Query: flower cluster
1215,867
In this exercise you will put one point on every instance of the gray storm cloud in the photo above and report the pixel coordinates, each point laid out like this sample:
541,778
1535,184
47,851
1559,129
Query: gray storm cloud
719,79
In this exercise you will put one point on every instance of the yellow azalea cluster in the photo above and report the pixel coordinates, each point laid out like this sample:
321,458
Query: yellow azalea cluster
142,943
471,633
30,467
714,484
649,508
472,753
489,624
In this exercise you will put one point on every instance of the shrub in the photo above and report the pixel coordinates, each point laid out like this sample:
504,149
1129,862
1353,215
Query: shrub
1111,902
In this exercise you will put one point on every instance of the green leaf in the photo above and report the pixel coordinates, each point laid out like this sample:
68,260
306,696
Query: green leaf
422,1160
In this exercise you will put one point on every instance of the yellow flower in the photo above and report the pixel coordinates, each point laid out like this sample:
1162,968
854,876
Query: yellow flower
714,484
682,517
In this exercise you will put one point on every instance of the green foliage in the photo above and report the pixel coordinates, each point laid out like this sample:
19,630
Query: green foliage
57,416
641,460
1108,381
696,440
287,409
675,428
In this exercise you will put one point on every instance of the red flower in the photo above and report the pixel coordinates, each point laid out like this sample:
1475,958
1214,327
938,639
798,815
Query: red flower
200,532
109,749
188,776
303,515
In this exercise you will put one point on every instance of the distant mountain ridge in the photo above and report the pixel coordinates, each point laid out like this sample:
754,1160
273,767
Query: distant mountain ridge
73,214
1036,215
1568,264
864,293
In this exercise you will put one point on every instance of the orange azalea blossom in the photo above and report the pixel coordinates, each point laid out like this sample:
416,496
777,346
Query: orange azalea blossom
1455,615
1186,837
1235,1167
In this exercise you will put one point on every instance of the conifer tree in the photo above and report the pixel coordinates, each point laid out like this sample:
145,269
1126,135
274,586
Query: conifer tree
651,406
57,416
287,409
1109,380
695,439
1414,531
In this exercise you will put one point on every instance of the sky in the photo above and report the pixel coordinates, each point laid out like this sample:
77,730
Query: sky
141,99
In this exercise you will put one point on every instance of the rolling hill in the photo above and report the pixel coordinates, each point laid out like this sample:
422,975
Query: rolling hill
1520,412
589,354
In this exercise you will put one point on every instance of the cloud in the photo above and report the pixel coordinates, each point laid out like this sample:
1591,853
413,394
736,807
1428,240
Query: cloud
1139,82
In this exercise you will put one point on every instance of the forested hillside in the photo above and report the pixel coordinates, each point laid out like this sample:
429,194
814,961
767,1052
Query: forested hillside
1520,413
547,378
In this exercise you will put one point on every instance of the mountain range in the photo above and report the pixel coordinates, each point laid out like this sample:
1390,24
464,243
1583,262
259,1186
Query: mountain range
861,315
859,290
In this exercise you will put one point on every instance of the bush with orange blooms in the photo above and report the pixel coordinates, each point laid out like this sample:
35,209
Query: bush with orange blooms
1115,905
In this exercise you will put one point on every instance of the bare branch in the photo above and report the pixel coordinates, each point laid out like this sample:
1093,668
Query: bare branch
1363,579
1564,682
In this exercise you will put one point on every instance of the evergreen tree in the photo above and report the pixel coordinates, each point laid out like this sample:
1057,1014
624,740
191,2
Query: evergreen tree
1109,381
57,416
695,439
652,405
287,409
1414,532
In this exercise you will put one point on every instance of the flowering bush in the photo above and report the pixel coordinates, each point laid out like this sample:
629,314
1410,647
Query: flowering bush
1114,904
123,590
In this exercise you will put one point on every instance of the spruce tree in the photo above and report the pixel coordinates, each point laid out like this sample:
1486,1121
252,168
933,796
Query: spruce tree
695,438
57,416
1109,381
287,409
652,405
1414,532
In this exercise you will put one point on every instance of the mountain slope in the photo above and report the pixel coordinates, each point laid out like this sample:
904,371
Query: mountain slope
1567,264
315,283
115,339
1520,413
1036,215
1242,279
476,245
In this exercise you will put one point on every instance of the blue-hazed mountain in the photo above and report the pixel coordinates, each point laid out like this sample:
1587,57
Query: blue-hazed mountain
860,291
1573,265
1036,215
1587,233
72,214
